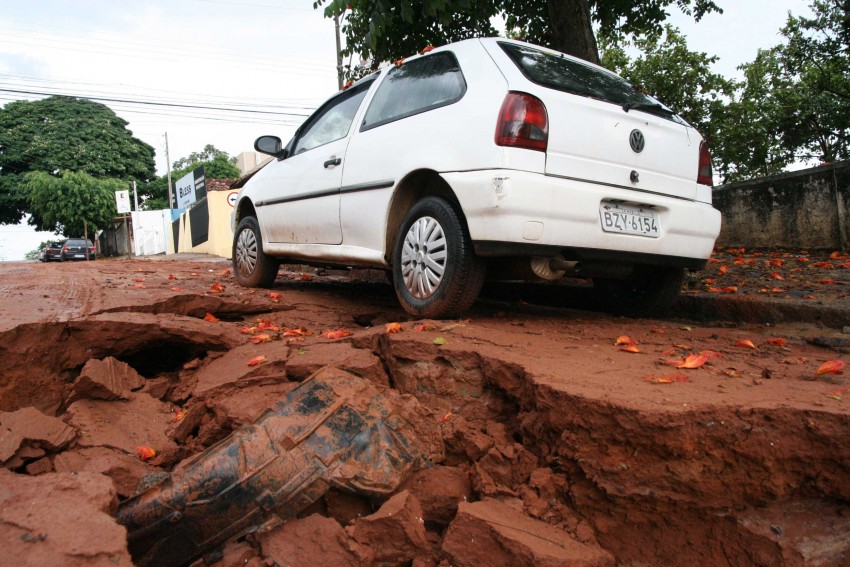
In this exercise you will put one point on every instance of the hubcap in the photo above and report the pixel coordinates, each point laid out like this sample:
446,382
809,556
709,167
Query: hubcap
246,253
424,257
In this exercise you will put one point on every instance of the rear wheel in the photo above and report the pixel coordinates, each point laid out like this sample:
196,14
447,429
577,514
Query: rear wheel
650,291
251,266
435,271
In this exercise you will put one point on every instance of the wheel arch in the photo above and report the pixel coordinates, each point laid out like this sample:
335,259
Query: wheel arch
244,208
414,186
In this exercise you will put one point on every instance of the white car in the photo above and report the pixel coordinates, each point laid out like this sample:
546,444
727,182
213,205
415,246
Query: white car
486,156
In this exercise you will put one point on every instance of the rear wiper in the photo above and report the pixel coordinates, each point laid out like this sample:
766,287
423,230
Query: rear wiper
647,106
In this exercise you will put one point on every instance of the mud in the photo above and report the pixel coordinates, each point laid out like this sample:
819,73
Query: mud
560,447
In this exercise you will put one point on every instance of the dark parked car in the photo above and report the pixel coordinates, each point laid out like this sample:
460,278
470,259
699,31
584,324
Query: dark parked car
52,252
75,249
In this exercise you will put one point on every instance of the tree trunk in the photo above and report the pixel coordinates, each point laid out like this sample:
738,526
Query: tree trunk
571,30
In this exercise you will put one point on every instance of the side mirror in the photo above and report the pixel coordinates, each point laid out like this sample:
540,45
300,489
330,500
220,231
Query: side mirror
271,145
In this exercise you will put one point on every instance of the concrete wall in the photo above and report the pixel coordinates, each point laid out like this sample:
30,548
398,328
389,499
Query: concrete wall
807,209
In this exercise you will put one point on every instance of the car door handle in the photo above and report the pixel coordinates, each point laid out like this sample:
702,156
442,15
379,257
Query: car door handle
333,161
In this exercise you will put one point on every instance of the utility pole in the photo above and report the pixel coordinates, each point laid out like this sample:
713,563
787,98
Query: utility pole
338,52
168,165
135,197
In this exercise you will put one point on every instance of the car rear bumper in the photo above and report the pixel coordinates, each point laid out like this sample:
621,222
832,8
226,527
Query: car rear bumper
522,213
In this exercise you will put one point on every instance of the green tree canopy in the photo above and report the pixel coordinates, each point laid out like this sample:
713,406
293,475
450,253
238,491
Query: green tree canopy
59,134
209,153
385,31
219,166
63,203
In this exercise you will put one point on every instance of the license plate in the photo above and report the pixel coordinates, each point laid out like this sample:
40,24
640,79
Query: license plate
79,256
629,219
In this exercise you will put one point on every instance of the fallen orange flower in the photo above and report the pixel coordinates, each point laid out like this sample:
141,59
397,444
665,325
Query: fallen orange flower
393,328
261,338
691,361
171,276
777,263
176,289
179,416
423,327
446,417
139,286
666,379
682,346
248,330
257,360
146,453
837,255
723,270
828,282
631,348
296,332
138,279
266,325
776,276
831,367
822,265
727,289
338,334
427,49
779,341
746,343
275,296
709,281
216,288
800,259
211,318
624,340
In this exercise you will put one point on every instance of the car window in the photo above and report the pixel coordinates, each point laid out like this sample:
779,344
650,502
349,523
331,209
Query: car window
332,122
558,72
414,87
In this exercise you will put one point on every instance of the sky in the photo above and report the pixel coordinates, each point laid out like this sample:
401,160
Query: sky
224,72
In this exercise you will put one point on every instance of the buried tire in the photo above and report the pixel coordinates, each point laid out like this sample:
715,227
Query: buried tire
436,273
649,292
251,266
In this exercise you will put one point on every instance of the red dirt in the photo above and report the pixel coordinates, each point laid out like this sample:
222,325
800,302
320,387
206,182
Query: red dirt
546,423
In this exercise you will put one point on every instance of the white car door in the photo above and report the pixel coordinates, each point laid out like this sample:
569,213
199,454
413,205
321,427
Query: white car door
298,200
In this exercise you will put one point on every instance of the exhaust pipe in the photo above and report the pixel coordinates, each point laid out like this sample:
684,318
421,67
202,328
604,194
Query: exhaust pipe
557,267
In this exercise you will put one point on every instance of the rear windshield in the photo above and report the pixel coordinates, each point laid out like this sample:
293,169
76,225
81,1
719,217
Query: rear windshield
556,71
76,242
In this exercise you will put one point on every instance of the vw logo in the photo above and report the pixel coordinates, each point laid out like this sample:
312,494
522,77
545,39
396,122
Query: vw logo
636,141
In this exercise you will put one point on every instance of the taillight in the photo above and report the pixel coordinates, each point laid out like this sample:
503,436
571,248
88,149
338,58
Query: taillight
704,174
65,248
523,123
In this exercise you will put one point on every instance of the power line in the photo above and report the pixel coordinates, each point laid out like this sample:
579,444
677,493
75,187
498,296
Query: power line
151,103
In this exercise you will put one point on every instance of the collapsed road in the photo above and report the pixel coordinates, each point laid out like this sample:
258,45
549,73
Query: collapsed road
560,436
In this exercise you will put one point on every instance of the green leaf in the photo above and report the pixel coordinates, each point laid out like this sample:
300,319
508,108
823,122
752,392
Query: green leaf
439,341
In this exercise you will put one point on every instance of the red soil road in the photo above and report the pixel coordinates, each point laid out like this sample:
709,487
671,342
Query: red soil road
741,461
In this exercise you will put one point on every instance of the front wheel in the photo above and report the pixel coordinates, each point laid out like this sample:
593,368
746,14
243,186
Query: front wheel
649,291
436,273
251,266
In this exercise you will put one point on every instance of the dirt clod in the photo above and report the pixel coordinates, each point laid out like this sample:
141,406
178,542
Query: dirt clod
492,533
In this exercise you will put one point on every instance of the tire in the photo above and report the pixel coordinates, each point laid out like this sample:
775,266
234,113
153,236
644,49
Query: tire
251,266
432,239
649,292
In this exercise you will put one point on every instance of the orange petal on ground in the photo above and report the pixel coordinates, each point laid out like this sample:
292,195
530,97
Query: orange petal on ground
723,270
631,348
146,453
211,318
778,341
393,327
746,343
261,338
338,334
625,340
831,367
776,276
216,288
777,263
690,362
257,360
